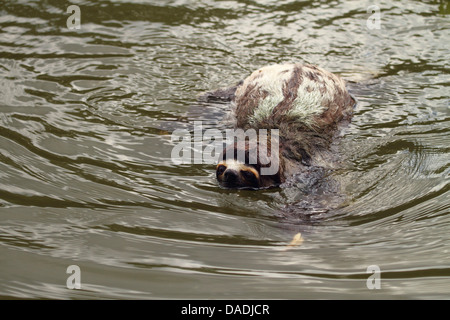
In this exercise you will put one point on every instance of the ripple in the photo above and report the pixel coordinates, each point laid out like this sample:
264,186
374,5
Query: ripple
86,175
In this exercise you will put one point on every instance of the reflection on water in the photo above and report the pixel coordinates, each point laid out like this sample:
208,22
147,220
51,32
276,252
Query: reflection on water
86,176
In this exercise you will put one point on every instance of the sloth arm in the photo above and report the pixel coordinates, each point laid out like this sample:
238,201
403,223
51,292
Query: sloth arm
220,95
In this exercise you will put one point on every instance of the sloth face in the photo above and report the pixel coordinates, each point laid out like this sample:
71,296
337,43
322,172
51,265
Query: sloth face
252,173
237,175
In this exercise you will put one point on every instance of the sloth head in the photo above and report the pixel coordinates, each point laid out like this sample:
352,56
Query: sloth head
235,173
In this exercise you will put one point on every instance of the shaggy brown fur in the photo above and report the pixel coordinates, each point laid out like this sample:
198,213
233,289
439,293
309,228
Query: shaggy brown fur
309,105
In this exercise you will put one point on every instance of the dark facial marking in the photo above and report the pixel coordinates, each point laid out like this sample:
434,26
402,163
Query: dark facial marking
220,169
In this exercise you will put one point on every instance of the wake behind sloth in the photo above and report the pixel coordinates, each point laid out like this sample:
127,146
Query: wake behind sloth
304,104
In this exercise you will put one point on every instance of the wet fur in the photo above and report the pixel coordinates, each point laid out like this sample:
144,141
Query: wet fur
306,104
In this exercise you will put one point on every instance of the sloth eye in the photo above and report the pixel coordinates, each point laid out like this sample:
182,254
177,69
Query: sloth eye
247,174
221,169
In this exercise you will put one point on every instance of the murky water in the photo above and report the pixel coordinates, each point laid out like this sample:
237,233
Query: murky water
86,176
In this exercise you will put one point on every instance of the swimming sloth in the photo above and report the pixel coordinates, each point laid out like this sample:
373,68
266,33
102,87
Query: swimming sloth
304,103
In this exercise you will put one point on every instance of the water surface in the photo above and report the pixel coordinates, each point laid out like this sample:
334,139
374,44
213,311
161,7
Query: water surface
86,176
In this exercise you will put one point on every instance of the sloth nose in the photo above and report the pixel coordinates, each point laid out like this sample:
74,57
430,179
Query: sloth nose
230,175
